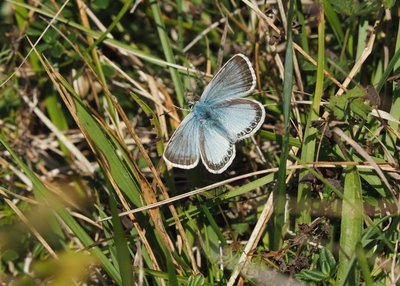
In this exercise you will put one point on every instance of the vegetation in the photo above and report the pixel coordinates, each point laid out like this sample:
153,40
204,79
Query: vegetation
90,92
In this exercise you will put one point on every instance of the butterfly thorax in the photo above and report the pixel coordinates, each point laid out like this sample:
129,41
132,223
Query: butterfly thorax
202,111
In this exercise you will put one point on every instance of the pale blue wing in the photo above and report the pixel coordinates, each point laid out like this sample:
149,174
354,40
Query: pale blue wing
183,148
216,151
240,117
234,80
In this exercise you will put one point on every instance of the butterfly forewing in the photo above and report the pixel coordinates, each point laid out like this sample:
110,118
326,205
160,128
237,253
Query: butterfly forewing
183,148
234,80
216,151
242,117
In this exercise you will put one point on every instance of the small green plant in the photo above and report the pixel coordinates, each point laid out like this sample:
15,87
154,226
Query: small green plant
324,269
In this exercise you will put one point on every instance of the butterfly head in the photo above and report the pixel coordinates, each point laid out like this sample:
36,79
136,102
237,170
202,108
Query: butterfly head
192,98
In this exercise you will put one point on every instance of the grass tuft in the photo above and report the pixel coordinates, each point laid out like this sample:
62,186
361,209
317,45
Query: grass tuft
90,95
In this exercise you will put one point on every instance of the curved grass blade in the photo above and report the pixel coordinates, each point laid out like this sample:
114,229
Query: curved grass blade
287,95
123,257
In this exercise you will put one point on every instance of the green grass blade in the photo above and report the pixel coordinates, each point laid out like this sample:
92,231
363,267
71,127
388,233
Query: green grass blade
310,134
300,17
362,38
287,95
179,6
118,163
172,277
394,61
154,119
363,263
123,257
395,108
116,20
351,225
212,222
169,56
293,142
333,20
22,15
56,115
248,187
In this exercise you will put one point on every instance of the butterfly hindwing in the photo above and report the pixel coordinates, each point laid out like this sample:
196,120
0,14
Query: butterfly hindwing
182,150
240,116
216,151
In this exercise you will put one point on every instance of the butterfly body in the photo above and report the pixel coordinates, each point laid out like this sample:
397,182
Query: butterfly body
220,118
203,111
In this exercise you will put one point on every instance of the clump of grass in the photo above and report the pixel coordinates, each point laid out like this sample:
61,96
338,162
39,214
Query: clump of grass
90,93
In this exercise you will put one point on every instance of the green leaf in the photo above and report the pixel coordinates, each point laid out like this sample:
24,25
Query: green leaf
108,70
355,8
360,108
8,99
196,280
311,275
33,31
337,105
325,268
168,51
41,47
57,50
353,100
212,223
356,92
9,255
388,3
100,4
172,277
241,228
374,181
50,36
327,262
118,162
371,201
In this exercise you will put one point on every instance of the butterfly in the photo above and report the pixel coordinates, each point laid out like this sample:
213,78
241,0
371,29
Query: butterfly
219,119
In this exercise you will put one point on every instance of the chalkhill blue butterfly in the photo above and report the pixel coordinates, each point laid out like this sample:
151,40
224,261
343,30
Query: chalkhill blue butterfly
218,120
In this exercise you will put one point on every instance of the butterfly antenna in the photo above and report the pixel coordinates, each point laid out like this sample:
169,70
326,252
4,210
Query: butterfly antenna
180,108
170,111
